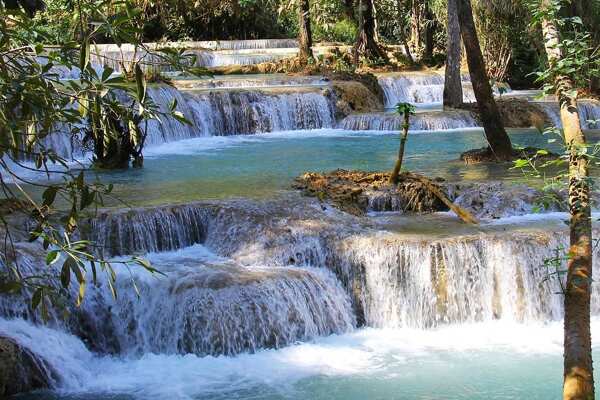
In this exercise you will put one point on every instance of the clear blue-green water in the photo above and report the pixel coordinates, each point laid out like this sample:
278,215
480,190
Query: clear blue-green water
260,165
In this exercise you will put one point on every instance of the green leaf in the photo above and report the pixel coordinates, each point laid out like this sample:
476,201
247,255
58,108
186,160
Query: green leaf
84,56
36,298
10,287
52,257
49,195
521,163
65,275
140,82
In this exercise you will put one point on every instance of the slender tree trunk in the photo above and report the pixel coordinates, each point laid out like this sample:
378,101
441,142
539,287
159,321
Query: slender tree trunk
349,10
495,133
398,166
304,33
415,25
453,93
366,43
578,370
429,32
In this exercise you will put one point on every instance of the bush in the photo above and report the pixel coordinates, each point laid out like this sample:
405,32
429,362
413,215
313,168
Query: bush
344,31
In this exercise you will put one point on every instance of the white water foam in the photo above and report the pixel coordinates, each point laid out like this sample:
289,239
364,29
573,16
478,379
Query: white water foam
378,354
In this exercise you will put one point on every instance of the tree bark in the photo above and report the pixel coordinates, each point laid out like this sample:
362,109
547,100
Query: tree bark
578,369
304,32
366,43
495,133
429,32
453,92
415,26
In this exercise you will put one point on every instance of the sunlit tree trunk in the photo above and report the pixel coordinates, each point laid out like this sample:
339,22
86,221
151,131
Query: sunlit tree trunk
453,93
495,133
578,370
304,33
398,165
366,44
415,25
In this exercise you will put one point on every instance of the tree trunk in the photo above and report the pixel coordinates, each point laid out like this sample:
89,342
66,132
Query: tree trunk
429,32
578,370
349,10
415,26
398,165
453,93
304,31
495,133
366,43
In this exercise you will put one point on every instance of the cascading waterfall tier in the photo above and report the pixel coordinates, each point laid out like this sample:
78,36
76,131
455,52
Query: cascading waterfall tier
394,280
238,112
216,307
244,275
418,88
222,113
423,121
422,284
589,113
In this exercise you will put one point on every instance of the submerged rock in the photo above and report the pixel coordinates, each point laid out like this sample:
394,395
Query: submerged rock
20,370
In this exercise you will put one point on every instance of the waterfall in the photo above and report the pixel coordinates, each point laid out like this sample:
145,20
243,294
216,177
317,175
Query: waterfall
205,305
238,112
143,231
426,283
223,113
426,121
418,88
589,113
207,54
168,129
396,281
253,81
211,306
241,276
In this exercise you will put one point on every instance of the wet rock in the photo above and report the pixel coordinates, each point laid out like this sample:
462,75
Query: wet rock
497,199
20,370
354,97
517,113
486,155
368,80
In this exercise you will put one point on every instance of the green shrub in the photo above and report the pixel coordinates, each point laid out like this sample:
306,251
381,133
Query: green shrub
344,31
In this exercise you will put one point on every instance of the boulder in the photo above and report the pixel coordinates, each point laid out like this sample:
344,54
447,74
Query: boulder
20,370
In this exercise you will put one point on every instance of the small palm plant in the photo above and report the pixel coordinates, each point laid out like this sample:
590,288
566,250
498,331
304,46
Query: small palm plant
405,109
